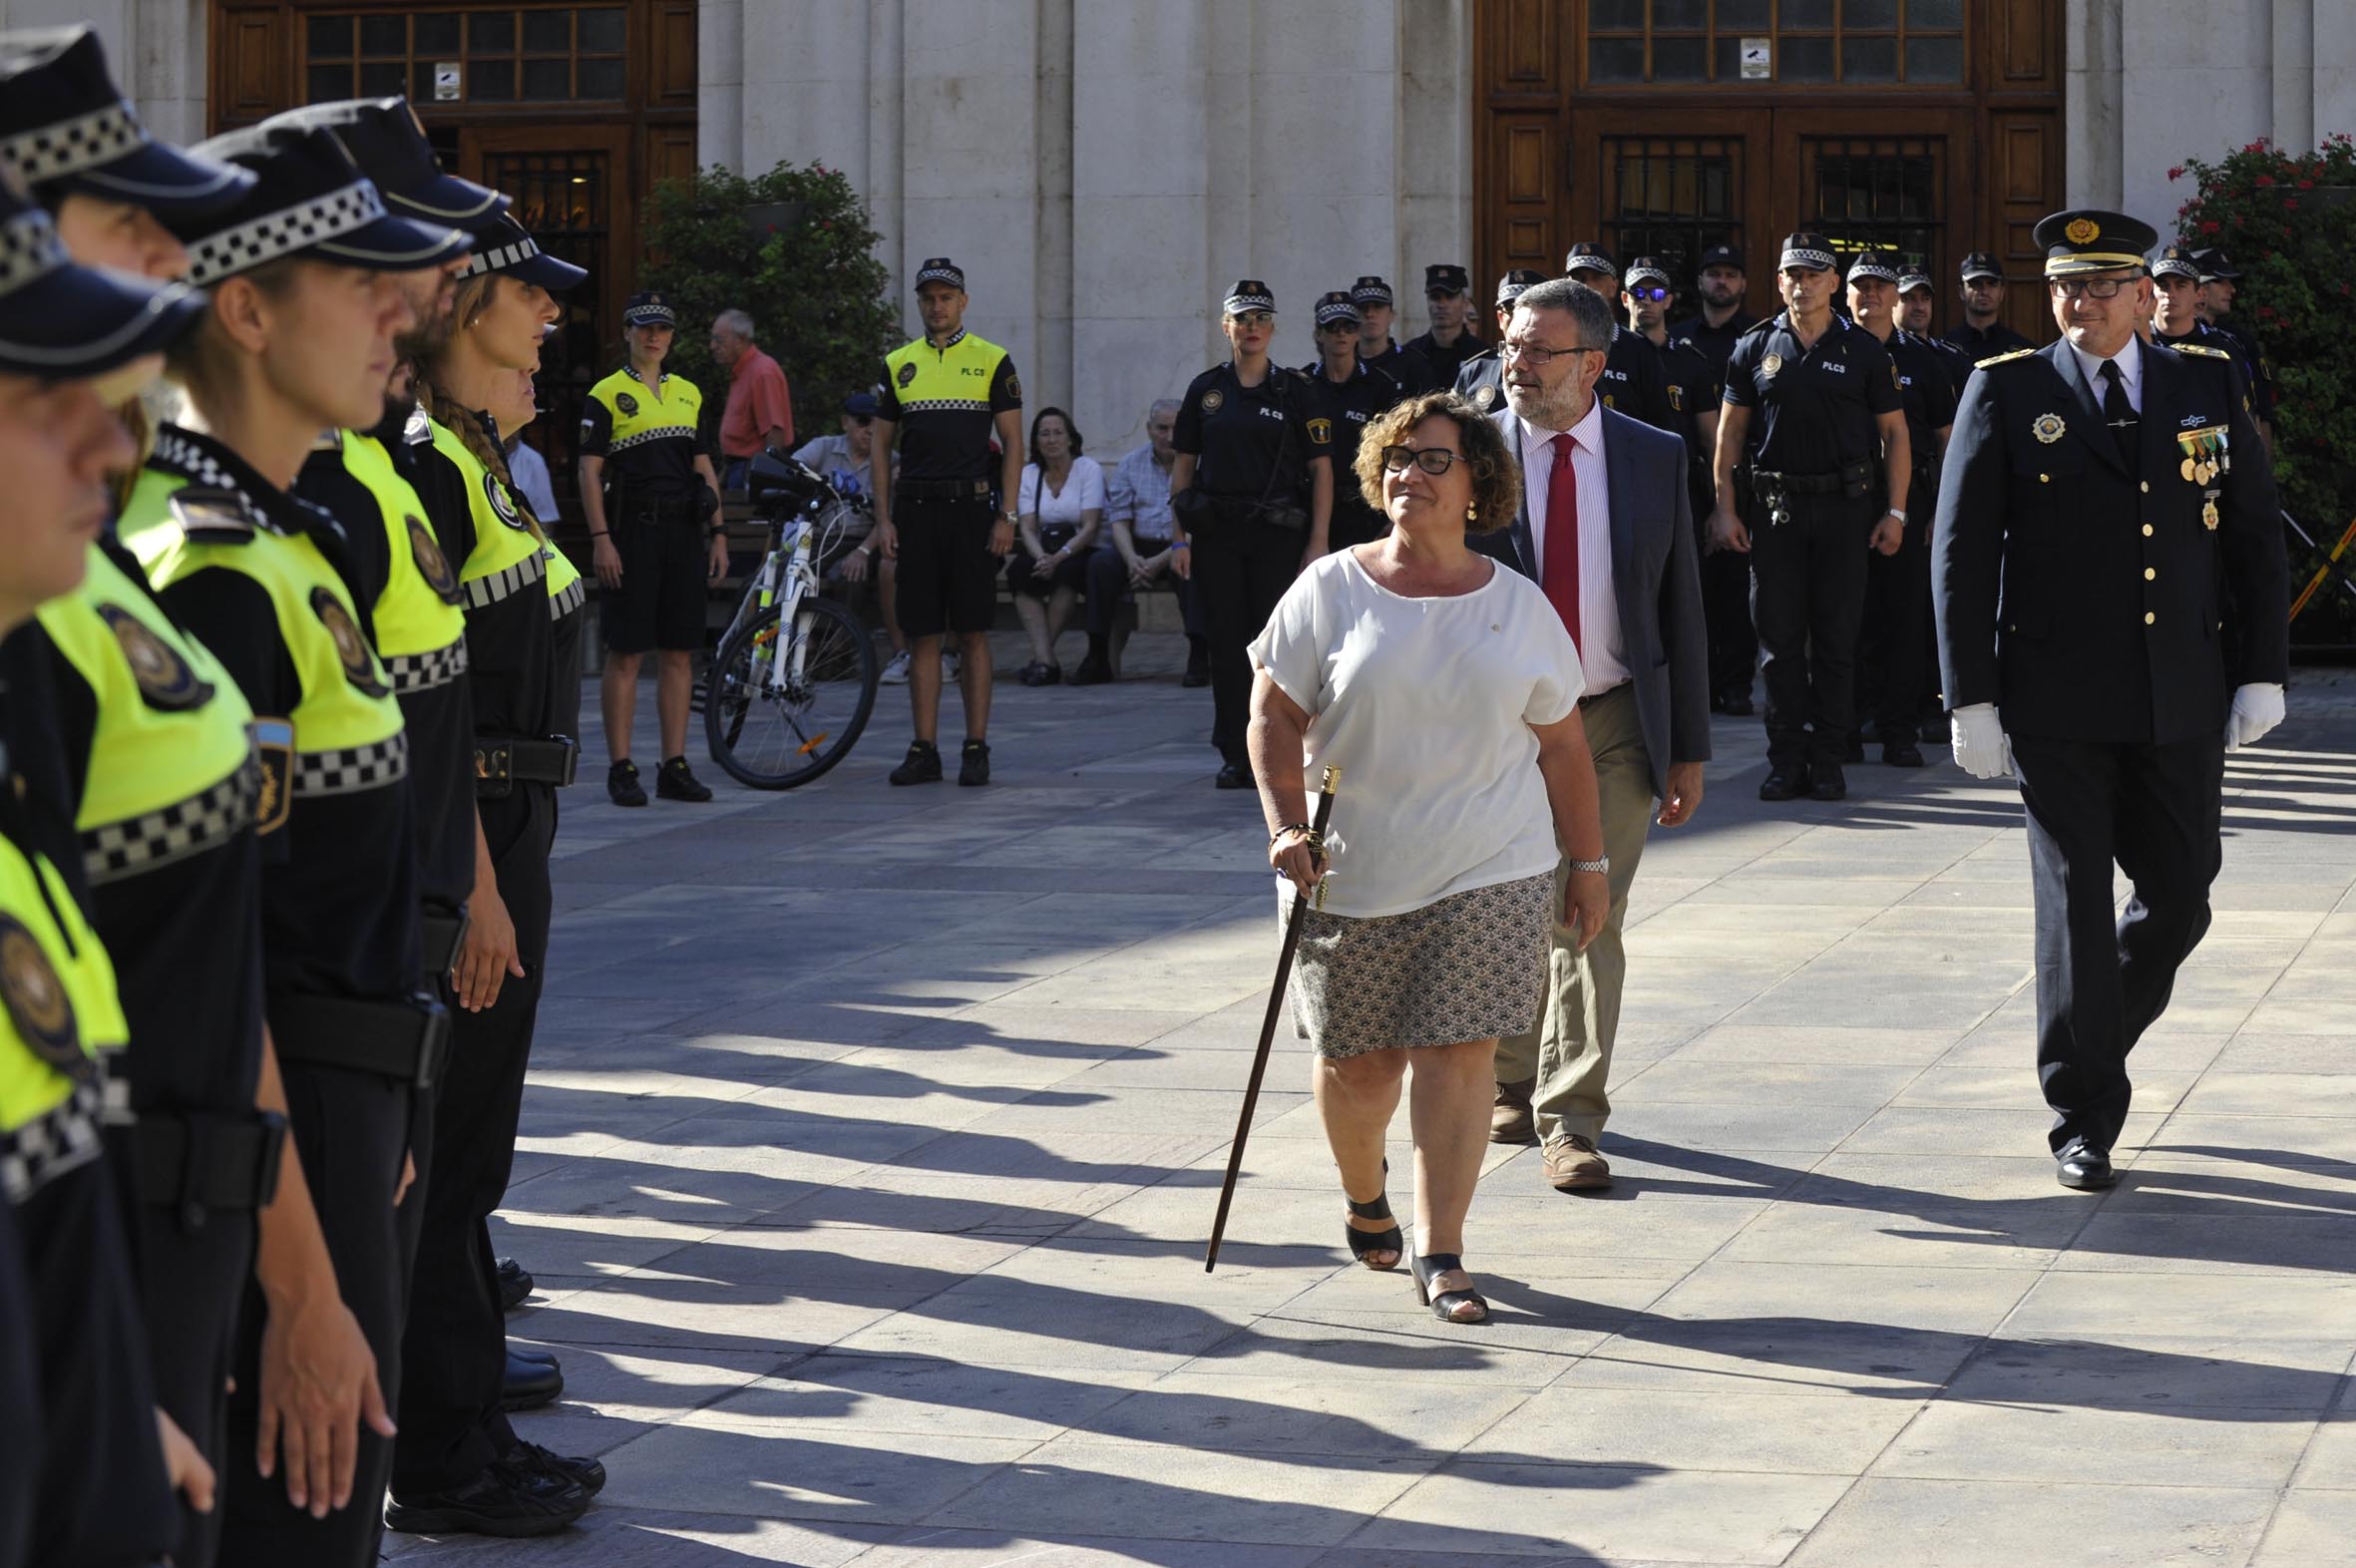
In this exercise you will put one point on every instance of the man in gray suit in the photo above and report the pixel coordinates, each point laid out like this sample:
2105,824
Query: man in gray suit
1606,528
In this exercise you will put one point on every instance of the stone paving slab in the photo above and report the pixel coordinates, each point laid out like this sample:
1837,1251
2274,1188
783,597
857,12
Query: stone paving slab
873,1137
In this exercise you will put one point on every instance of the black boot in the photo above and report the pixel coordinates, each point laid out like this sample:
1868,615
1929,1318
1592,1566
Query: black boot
622,786
674,781
921,766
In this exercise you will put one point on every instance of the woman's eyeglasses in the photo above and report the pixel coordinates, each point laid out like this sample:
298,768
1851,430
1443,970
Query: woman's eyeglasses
1434,461
2090,287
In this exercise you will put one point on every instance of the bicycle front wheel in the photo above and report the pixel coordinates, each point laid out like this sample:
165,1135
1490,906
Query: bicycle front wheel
779,709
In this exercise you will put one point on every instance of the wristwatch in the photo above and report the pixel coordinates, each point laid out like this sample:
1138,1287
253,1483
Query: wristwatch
1895,513
1602,868
1011,517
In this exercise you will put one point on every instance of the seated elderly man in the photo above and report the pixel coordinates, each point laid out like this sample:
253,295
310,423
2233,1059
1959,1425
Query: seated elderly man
1139,554
842,459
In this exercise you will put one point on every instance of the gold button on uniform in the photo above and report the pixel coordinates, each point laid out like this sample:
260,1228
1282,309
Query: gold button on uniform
2148,617
2150,574
2045,479
2147,486
2147,531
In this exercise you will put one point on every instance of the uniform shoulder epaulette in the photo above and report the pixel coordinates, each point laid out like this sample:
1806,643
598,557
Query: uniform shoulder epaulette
1997,359
418,429
1758,327
212,517
2201,349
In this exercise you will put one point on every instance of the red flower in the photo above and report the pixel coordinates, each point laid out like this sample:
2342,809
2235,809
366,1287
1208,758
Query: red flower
2177,172
2291,205
2212,227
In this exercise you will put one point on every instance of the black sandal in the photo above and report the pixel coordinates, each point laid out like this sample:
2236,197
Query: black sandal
1363,1242
1428,1267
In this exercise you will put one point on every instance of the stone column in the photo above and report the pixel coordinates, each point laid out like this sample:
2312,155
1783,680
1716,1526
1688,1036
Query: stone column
2294,73
2095,165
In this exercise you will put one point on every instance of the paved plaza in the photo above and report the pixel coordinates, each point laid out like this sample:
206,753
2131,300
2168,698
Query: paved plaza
874,1137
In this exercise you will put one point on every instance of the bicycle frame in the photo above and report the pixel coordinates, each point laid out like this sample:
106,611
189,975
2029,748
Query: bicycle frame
788,573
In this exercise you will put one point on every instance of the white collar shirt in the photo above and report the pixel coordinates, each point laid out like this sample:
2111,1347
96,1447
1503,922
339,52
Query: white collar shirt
1603,656
2130,371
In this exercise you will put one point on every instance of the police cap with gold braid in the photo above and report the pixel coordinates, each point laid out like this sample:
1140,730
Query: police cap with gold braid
2088,240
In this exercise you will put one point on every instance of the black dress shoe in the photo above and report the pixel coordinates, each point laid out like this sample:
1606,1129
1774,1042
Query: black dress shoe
1783,786
1826,783
2081,1166
508,1498
532,1353
588,1475
529,1385
514,1284
1234,776
1901,754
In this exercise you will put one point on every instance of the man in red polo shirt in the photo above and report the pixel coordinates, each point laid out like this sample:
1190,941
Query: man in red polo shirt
760,412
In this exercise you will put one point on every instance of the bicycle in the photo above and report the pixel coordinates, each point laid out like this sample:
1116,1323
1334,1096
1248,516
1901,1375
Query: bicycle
794,681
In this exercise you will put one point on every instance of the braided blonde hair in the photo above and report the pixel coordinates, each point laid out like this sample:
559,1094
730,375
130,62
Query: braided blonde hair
432,367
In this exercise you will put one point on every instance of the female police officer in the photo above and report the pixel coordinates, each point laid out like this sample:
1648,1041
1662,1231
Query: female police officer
1251,492
459,1466
298,338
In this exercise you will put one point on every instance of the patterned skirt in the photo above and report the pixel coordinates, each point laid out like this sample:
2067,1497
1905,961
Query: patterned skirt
1472,966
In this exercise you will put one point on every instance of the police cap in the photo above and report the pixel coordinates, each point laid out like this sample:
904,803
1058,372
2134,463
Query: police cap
506,248
1337,307
1446,277
1809,251
1647,269
2215,264
1980,264
312,202
1512,287
385,139
1370,290
1248,294
64,322
1721,256
1911,277
2088,240
65,127
941,269
650,309
2176,261
1874,264
1587,256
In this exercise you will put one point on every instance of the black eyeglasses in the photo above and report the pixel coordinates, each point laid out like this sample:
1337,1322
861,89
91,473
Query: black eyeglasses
2090,287
1651,291
1538,354
1434,461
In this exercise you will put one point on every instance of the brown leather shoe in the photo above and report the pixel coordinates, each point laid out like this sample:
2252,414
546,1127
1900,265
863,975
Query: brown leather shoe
1572,1165
1511,1121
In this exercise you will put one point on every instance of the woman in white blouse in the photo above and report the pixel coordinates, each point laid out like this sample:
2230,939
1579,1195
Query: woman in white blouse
1447,690
1060,510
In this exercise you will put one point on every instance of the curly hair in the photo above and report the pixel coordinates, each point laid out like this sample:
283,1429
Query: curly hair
1496,474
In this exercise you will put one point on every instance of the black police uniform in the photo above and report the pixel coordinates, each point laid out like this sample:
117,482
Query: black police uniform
1893,672
1480,381
1954,361
1348,407
1445,359
649,440
1248,516
1726,573
1689,385
1409,371
1633,382
342,955
2078,589
945,401
1815,487
1976,344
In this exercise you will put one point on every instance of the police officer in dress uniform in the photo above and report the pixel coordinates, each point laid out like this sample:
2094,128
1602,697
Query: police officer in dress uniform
1720,281
1379,348
264,581
1448,292
1352,393
1982,332
1893,675
2101,497
947,394
652,500
458,1465
1632,382
1828,416
83,1477
1251,499
1480,380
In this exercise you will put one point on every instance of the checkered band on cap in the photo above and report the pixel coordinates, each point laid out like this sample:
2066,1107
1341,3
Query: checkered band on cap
568,599
115,850
249,245
70,145
1330,311
414,672
1864,269
352,771
1823,260
499,258
29,249
1249,300
491,589
941,269
1913,278
2174,262
62,1138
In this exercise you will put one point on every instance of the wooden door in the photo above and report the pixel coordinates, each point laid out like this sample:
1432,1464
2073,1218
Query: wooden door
1670,184
1907,188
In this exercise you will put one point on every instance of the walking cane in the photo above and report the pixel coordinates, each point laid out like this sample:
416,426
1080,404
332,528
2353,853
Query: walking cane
1276,1007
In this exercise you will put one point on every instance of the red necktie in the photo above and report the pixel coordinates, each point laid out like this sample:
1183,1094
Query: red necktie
1559,575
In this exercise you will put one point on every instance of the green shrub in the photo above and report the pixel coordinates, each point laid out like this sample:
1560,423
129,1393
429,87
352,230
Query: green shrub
817,294
2293,234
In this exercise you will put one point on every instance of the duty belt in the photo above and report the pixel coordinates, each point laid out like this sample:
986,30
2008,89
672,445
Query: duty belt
414,672
351,771
403,1041
491,589
943,489
195,1161
114,850
1776,488
443,934
504,761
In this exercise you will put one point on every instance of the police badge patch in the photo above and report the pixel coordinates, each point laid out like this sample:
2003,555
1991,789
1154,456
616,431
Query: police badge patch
2048,428
624,402
1014,387
36,999
1483,395
432,565
1770,365
166,683
502,505
352,650
273,755
1212,400
1320,431
1676,399
908,373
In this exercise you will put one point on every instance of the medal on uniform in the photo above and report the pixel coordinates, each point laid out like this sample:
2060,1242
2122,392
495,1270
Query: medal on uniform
1770,365
1212,399
2187,469
2208,514
2048,428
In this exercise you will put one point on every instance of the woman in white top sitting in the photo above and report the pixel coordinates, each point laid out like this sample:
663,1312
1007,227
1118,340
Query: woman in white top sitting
1061,510
1447,690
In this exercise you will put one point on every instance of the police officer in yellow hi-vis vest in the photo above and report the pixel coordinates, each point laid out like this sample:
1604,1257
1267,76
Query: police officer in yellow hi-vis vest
459,1464
653,507
83,1475
304,303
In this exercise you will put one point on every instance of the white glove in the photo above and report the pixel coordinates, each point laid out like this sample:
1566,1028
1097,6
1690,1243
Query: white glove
1980,747
2257,708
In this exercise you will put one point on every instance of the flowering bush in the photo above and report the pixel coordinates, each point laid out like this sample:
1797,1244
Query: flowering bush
2288,221
814,288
